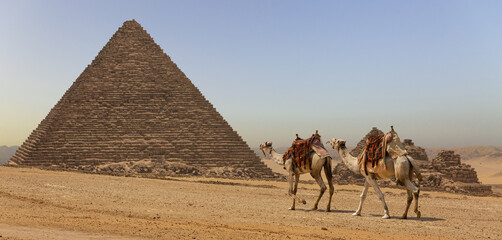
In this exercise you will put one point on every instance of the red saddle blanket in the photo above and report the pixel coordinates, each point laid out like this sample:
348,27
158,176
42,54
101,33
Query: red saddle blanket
301,149
374,151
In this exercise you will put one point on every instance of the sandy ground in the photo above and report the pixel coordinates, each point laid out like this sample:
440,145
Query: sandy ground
39,204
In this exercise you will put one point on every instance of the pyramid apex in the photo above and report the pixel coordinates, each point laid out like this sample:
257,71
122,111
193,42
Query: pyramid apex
131,24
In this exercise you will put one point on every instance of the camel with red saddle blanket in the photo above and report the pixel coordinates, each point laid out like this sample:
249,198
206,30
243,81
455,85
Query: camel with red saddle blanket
304,156
383,157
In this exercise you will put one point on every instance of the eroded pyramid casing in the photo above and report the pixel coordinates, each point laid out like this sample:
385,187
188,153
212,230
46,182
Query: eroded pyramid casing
133,103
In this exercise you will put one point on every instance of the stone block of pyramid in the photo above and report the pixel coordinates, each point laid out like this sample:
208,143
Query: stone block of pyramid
132,103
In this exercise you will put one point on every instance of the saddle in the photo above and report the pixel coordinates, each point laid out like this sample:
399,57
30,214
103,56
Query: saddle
301,149
376,149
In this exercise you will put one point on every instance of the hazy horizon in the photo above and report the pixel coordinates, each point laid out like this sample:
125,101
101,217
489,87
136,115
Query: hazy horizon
274,69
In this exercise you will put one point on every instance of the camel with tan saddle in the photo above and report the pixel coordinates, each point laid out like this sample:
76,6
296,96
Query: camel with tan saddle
384,156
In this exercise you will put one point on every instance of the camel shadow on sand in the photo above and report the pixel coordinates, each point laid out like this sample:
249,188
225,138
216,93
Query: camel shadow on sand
423,219
323,210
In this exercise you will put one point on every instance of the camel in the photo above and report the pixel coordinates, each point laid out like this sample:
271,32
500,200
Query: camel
318,163
400,167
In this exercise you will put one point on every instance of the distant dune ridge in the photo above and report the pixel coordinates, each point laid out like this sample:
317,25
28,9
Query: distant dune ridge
6,153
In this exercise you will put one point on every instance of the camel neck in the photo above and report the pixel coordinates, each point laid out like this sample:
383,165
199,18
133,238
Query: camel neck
275,155
349,160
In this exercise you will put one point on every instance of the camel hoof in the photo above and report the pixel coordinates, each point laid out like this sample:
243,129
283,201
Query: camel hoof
419,214
386,216
328,210
313,209
404,217
356,214
292,208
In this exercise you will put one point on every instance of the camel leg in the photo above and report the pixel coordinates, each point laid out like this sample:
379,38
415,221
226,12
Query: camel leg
294,189
411,186
419,214
291,189
363,197
416,193
297,179
380,195
408,203
318,179
329,177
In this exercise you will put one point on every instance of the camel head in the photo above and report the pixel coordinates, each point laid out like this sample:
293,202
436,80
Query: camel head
336,143
266,146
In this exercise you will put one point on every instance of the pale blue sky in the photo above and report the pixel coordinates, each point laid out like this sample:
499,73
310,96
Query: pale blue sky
433,69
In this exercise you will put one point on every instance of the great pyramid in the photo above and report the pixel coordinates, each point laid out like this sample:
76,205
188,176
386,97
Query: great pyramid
132,104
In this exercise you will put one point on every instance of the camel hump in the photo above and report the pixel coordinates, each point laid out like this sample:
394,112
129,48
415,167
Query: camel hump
394,147
388,137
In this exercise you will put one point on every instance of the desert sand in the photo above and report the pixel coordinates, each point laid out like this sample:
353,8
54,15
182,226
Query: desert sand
39,204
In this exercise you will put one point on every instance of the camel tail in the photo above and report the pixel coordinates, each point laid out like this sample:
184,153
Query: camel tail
328,170
415,167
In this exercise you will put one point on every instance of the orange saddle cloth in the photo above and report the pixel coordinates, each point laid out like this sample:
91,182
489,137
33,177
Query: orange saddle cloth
301,149
374,151
377,148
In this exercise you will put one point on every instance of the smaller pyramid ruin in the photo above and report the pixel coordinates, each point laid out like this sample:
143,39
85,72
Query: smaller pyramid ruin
449,164
417,153
445,172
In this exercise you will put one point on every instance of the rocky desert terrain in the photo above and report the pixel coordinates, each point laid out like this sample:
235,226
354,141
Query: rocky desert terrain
40,204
